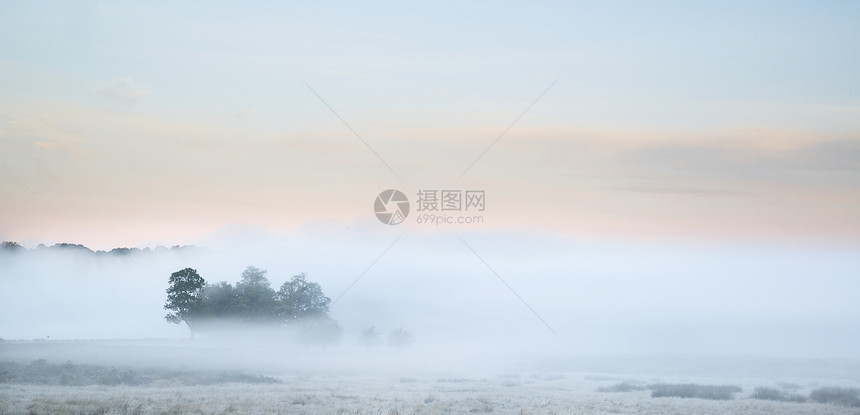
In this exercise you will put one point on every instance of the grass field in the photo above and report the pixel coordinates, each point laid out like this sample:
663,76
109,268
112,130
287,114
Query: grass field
99,385
350,395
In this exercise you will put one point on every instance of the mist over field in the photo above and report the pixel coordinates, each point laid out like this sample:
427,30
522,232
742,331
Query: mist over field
440,207
586,296
565,322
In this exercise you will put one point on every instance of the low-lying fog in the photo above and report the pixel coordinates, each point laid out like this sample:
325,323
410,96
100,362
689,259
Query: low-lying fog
587,296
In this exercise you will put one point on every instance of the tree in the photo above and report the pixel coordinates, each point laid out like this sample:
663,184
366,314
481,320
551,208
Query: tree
219,300
184,297
400,338
72,247
254,276
255,298
300,299
299,304
11,246
370,337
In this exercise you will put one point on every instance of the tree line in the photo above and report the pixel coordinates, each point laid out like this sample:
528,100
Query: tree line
298,304
12,247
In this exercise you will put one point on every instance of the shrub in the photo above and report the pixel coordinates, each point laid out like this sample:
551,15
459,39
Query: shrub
773,394
836,395
768,394
691,390
40,372
303,399
622,387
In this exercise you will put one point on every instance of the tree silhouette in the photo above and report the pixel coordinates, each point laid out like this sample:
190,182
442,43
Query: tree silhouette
11,246
400,338
299,305
219,300
370,337
184,297
255,298
299,299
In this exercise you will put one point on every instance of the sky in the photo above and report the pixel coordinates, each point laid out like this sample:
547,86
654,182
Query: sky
137,124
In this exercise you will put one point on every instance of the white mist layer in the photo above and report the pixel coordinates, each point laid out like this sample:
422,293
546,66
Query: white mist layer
598,297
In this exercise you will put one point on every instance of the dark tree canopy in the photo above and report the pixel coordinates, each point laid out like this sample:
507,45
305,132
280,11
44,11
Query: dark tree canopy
255,298
299,298
12,246
299,304
253,276
219,300
184,297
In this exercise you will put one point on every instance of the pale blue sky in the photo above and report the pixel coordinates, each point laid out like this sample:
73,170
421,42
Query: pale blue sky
633,64
188,102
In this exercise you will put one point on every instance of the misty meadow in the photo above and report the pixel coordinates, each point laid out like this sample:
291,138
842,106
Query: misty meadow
577,207
241,345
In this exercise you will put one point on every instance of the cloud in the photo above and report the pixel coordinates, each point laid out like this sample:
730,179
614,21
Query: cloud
246,113
832,156
166,169
45,132
737,157
679,190
124,90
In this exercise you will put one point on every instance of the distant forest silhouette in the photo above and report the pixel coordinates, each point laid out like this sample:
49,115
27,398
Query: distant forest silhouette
14,247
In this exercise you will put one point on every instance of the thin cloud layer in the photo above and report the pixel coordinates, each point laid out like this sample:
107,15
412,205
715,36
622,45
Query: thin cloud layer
124,90
742,182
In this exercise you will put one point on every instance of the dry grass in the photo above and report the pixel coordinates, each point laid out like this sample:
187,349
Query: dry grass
369,395
41,372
